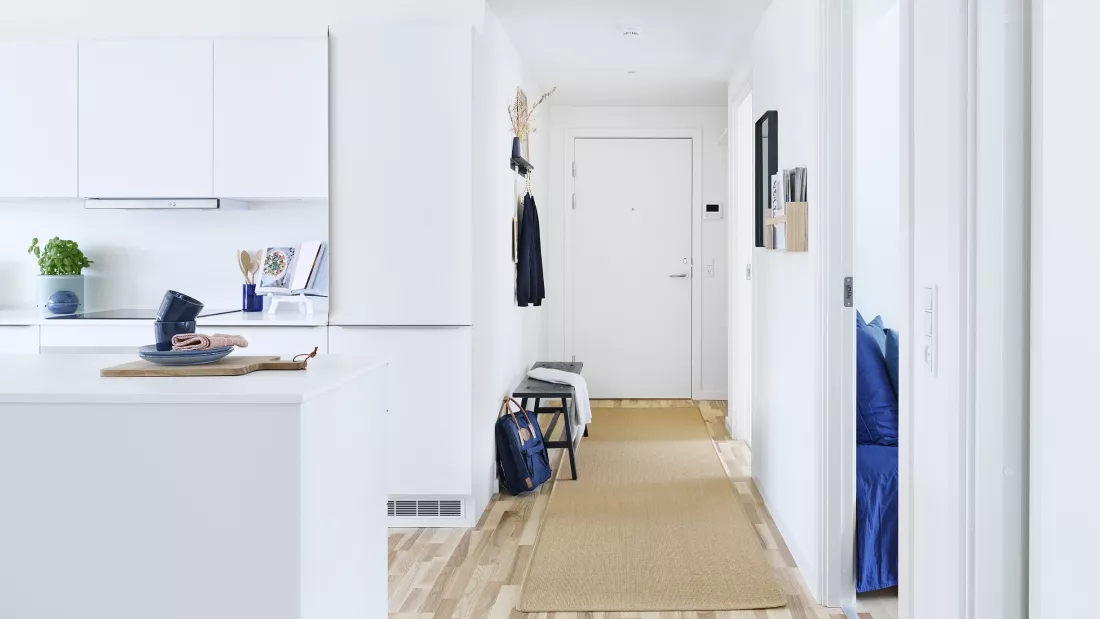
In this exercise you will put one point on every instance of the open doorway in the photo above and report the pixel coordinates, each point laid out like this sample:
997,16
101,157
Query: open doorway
879,298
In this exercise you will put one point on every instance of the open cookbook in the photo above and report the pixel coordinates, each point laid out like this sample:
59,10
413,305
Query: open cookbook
295,270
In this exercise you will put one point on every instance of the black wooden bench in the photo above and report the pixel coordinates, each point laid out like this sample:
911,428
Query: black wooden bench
540,390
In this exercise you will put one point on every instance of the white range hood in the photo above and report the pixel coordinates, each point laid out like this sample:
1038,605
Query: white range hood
164,203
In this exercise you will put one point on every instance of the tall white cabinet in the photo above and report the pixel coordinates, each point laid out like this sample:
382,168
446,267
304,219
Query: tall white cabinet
428,429
271,117
146,118
402,176
38,136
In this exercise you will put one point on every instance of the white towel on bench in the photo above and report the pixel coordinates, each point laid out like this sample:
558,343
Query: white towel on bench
582,407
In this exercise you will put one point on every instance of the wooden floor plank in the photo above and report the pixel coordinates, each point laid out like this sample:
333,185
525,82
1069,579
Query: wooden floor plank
478,573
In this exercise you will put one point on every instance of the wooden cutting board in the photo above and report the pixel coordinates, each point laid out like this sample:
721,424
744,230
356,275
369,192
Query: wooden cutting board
229,366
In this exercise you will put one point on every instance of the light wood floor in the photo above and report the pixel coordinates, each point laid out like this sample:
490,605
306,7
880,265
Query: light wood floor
477,573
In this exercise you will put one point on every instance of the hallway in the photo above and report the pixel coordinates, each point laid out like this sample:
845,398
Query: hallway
478,573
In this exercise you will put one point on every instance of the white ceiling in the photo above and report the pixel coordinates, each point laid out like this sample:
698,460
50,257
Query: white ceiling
683,56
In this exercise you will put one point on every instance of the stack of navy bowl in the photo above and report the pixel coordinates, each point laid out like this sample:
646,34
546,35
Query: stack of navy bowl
176,316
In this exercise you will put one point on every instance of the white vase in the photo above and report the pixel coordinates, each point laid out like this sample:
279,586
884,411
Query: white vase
49,284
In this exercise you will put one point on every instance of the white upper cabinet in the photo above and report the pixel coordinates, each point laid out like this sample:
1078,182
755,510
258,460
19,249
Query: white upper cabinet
271,118
146,118
38,136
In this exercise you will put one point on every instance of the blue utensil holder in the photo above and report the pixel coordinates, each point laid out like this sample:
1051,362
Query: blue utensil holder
250,301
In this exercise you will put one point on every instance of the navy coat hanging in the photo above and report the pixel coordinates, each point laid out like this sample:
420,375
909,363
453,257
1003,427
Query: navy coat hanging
530,288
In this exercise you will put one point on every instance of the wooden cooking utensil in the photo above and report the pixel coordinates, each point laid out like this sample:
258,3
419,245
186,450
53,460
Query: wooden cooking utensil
256,264
246,266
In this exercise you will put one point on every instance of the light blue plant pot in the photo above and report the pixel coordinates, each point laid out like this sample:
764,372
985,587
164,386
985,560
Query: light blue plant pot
49,284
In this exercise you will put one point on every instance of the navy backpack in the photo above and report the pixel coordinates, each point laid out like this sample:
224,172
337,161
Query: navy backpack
523,463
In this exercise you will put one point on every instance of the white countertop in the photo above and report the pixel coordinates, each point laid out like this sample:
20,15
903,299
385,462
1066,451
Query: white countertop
75,379
290,318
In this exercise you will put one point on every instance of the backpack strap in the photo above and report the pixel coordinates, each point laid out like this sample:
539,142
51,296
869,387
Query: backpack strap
505,408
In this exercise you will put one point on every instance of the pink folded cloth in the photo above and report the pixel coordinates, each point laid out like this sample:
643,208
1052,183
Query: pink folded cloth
198,341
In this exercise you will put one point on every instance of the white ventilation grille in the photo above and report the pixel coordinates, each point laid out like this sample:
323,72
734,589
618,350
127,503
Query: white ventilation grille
418,508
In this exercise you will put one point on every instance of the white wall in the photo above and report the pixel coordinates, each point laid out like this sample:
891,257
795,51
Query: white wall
876,57
712,121
786,425
507,338
140,254
1065,539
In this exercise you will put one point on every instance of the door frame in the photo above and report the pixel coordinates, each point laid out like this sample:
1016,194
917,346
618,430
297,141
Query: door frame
991,359
739,415
695,134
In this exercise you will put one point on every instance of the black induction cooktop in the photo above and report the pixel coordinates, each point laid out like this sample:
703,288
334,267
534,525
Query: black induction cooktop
134,314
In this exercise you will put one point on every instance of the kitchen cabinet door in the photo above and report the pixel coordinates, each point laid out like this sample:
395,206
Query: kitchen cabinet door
19,340
401,215
428,423
38,118
146,118
271,118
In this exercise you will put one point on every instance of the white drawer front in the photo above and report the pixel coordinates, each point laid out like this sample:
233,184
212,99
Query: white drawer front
284,341
108,338
19,340
96,338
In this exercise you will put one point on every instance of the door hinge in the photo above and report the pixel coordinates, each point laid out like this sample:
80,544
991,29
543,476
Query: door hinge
748,271
574,169
849,291
574,202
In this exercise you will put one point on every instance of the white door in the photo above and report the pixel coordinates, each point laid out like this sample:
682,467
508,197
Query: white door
146,118
631,267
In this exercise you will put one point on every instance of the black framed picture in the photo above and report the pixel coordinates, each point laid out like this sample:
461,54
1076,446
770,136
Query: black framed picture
767,164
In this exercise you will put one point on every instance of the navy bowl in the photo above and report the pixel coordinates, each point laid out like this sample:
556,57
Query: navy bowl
178,307
63,302
165,330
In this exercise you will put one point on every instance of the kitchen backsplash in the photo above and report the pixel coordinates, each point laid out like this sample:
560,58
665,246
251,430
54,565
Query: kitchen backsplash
139,254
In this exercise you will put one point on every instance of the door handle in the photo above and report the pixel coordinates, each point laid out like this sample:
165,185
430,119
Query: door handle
679,276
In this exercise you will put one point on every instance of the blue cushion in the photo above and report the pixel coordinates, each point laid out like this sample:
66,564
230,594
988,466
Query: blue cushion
876,403
878,331
892,354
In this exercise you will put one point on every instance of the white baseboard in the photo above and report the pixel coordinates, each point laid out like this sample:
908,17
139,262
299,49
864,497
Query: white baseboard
713,394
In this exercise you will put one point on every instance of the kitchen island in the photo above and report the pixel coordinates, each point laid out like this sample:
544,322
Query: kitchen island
221,497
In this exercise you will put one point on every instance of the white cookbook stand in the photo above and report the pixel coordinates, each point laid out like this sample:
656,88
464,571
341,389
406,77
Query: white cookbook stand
303,302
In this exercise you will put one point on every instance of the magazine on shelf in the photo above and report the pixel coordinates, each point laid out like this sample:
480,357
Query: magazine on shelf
295,270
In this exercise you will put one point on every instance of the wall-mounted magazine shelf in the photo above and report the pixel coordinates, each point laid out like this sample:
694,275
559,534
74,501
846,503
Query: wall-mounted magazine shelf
789,230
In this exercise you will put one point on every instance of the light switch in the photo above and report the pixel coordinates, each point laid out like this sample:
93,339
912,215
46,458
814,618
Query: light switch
930,324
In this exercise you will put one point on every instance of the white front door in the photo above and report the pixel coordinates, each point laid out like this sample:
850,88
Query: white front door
631,266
